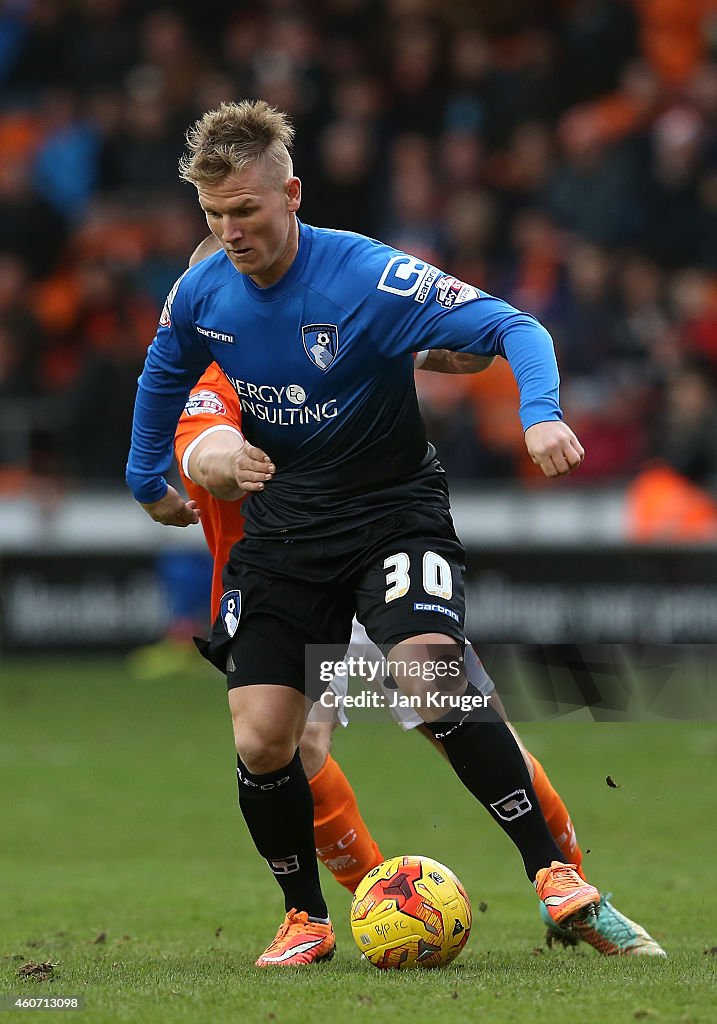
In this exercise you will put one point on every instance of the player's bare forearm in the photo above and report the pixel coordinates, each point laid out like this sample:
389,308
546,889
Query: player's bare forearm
227,466
554,447
441,360
173,510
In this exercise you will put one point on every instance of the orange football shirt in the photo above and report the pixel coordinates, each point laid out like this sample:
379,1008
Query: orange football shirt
212,404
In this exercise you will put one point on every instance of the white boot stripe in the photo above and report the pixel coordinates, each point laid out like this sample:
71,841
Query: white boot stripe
302,947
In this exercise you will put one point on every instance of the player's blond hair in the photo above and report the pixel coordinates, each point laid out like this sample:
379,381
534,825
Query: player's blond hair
235,136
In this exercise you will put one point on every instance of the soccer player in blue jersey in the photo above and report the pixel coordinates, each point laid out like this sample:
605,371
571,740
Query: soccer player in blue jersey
218,467
353,514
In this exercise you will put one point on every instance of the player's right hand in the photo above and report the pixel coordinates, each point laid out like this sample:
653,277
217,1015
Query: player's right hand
251,467
554,447
173,510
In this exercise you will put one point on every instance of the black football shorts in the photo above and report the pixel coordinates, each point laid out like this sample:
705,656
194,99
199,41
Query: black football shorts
402,575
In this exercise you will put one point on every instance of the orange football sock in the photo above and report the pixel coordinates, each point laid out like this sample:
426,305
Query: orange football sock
556,816
343,842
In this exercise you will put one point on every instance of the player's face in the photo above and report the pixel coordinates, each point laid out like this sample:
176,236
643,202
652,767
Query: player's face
251,213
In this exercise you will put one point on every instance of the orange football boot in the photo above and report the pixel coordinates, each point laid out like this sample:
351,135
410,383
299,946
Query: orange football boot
299,941
567,897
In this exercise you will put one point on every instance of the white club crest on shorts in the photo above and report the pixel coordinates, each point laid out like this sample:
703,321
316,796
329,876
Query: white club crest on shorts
230,611
321,343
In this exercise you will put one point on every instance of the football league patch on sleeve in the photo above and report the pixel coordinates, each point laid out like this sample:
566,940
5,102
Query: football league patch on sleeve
451,292
165,319
204,401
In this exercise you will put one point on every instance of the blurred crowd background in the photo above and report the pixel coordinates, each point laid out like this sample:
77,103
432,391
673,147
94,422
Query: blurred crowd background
559,153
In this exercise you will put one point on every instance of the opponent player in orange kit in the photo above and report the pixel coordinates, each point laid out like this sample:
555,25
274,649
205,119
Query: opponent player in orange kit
213,457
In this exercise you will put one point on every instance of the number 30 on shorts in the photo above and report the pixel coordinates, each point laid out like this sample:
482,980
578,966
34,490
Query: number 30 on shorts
437,577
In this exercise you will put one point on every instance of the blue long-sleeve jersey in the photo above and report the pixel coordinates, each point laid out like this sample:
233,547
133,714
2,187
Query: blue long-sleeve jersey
322,364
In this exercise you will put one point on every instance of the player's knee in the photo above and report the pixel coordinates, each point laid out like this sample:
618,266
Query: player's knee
263,752
428,669
314,747
261,760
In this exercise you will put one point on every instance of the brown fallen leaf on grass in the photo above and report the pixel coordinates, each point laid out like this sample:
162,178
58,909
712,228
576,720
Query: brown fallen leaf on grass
40,972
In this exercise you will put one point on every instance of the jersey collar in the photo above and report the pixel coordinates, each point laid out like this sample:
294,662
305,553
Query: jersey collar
292,276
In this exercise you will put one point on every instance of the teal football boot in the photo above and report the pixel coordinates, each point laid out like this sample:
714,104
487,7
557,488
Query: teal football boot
610,933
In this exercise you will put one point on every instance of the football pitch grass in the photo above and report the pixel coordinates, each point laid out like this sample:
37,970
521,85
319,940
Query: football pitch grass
125,863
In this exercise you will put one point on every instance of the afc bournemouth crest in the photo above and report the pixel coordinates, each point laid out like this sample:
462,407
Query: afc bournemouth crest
230,611
321,343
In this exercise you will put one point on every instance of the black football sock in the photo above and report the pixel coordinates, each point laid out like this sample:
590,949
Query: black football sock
488,761
279,811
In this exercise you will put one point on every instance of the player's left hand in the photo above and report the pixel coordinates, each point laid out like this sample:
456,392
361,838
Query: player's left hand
173,510
554,447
